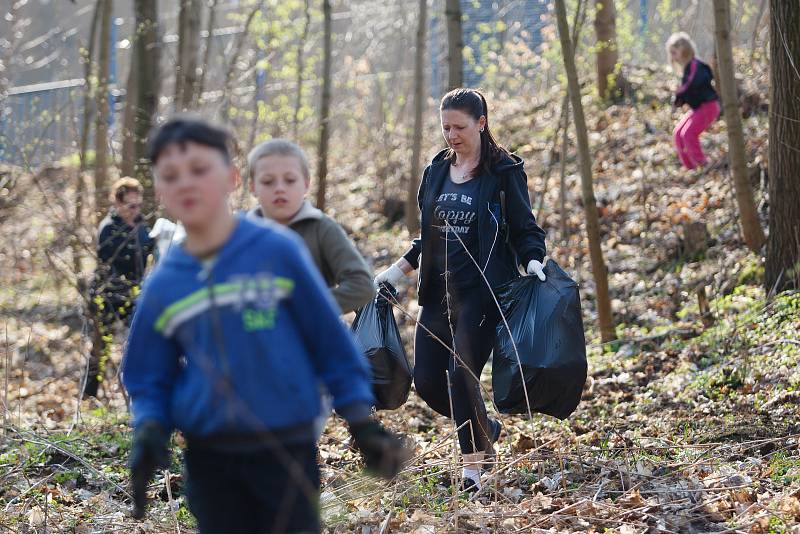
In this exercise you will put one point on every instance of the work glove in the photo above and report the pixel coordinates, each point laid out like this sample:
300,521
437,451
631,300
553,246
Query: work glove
149,452
536,267
392,275
384,453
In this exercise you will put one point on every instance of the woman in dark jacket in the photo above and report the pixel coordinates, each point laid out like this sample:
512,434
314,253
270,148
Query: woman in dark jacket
477,228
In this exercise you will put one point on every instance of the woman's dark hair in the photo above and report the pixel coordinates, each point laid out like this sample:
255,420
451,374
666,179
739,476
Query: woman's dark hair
473,103
189,129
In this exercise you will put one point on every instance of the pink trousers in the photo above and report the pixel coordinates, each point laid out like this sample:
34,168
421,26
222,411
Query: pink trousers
687,133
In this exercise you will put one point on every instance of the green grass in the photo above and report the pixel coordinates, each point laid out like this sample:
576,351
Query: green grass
784,469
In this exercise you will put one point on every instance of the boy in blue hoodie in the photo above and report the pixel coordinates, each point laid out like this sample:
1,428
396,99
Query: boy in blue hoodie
229,345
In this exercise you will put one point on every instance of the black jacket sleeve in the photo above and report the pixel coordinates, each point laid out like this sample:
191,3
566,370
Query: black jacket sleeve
414,251
106,244
526,236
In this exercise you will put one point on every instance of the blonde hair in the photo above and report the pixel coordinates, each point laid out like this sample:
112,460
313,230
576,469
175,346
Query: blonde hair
683,41
123,186
278,147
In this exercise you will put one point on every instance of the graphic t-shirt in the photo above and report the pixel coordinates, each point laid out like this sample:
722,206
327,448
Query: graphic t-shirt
455,222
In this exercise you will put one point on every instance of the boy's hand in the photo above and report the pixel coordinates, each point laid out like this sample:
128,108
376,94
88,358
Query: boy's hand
384,452
149,453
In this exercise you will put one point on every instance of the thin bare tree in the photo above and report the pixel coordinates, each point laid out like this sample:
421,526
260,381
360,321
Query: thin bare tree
87,57
325,104
103,115
748,215
128,154
204,66
605,27
300,64
188,47
147,57
603,301
412,221
782,270
455,44
233,59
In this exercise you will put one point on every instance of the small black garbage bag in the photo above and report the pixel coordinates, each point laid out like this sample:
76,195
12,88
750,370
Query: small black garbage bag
377,335
547,328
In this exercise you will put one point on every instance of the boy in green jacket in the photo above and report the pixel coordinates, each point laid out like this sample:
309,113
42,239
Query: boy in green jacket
280,179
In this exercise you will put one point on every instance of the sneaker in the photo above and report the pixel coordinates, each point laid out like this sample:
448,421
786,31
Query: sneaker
468,486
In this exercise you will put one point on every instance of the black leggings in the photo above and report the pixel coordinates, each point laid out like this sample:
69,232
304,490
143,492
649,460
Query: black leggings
473,316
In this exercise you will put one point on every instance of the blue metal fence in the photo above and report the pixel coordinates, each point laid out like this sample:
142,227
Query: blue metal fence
40,123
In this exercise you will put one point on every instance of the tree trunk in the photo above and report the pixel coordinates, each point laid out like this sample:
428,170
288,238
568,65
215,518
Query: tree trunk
80,184
604,316
300,63
455,45
412,221
753,234
756,28
234,60
188,42
101,201
201,82
562,193
128,163
783,246
147,57
325,107
605,27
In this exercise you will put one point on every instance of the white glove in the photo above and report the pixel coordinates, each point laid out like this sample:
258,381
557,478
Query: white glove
536,267
391,275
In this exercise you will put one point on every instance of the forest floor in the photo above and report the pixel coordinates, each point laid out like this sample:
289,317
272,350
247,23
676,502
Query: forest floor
685,426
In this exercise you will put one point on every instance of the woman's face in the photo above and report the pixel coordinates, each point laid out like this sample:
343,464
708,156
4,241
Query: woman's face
462,132
280,186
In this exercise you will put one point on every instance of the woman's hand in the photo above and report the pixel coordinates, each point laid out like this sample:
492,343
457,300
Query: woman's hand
536,267
395,273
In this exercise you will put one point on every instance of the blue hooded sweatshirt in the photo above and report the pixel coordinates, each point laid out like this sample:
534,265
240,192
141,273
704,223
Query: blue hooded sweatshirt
239,347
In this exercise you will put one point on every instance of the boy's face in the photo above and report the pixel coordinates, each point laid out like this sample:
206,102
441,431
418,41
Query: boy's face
280,186
193,182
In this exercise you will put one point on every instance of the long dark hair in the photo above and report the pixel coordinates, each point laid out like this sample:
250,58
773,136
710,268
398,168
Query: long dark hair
473,103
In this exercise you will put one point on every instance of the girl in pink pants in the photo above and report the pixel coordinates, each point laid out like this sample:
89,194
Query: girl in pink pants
696,91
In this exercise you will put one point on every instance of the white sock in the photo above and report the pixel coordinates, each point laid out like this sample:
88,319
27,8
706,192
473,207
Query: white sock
472,468
472,474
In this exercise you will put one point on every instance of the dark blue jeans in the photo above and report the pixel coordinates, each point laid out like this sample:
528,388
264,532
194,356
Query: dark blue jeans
254,492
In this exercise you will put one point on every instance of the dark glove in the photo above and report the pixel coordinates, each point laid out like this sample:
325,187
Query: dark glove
677,101
149,453
384,452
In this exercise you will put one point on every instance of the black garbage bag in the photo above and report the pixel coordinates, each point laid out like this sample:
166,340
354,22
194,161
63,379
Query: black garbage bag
547,327
377,335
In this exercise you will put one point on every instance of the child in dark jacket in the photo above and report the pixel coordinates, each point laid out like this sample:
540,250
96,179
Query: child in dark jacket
696,91
229,345
123,245
280,179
